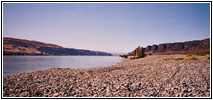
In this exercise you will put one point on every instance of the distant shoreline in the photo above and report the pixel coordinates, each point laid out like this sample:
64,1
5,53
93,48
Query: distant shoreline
59,55
25,54
15,46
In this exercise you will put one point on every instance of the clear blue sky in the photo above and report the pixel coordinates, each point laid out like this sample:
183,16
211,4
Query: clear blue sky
115,28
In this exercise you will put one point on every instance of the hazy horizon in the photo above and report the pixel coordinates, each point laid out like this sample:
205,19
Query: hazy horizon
113,28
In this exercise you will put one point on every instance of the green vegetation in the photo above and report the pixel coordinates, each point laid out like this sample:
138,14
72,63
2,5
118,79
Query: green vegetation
132,58
139,51
124,56
21,54
135,57
203,54
191,58
13,53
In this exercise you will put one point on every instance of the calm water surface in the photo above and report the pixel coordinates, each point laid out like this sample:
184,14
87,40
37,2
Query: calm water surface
19,64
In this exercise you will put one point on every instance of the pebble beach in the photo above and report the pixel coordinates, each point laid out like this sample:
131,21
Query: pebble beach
145,77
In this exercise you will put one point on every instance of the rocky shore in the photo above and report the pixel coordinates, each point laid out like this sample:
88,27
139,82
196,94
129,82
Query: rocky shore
146,77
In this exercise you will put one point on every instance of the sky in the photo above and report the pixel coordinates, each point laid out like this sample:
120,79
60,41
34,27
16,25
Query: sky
109,27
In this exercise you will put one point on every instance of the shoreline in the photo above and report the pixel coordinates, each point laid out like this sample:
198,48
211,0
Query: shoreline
145,77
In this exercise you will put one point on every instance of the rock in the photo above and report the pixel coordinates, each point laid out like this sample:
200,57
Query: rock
24,94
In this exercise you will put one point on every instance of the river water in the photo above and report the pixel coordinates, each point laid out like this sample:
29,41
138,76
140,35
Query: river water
20,64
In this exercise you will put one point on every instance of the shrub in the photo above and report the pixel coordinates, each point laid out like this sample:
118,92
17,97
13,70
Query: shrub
139,52
178,58
204,53
132,58
135,57
124,56
191,58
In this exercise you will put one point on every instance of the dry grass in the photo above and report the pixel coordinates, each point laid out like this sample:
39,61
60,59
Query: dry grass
178,58
191,58
208,56
189,55
204,54
166,59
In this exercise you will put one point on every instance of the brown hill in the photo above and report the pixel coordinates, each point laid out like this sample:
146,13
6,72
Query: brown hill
26,47
188,47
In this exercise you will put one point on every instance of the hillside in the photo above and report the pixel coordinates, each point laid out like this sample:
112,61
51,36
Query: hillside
13,46
188,47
